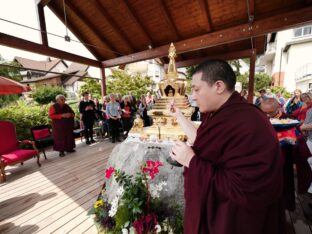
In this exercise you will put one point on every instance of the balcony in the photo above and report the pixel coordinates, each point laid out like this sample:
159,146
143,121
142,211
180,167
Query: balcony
304,72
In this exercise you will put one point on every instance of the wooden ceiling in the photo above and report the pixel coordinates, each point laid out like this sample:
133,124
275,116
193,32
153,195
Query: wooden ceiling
124,31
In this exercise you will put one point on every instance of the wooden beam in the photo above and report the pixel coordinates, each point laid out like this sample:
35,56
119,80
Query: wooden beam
79,35
308,2
95,31
225,56
42,25
112,23
169,20
42,2
251,10
135,19
205,12
236,33
251,83
33,47
103,82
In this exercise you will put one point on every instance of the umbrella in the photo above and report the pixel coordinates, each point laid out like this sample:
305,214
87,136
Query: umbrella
8,86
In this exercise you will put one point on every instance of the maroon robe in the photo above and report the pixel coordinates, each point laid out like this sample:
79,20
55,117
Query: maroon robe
234,182
62,128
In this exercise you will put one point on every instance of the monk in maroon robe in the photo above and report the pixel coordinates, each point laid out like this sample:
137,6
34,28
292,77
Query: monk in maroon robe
233,168
271,108
62,126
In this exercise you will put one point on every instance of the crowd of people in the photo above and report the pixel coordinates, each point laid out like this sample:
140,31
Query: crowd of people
276,106
114,115
230,177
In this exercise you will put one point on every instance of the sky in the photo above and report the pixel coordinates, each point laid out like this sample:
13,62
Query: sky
24,12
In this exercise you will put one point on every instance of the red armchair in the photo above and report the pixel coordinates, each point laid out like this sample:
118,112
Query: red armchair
10,153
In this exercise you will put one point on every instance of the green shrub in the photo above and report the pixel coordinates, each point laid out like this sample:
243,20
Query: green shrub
122,82
91,86
24,117
46,94
8,99
282,90
74,105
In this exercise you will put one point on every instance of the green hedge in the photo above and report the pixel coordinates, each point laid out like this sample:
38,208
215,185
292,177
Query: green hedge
46,94
24,117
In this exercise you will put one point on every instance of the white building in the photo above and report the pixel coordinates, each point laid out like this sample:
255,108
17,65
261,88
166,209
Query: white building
152,69
288,58
147,68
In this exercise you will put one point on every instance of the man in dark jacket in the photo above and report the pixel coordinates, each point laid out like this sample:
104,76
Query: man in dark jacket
87,115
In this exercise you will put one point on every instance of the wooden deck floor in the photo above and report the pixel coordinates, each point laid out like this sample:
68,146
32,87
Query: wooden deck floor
56,197
296,222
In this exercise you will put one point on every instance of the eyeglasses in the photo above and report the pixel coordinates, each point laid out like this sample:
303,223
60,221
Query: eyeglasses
272,114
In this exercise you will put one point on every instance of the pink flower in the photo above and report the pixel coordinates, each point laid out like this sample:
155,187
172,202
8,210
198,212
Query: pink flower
109,172
152,168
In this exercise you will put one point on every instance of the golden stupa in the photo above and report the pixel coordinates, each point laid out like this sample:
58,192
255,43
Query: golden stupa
172,89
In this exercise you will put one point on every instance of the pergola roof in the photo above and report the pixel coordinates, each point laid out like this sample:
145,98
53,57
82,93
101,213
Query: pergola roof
118,32
123,31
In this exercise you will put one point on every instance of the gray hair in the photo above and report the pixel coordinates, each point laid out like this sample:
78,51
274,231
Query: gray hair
308,95
271,101
59,96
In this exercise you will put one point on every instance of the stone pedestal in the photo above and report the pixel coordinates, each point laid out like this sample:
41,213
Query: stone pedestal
129,155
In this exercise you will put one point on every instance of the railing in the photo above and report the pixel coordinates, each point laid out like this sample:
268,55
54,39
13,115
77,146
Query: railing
303,72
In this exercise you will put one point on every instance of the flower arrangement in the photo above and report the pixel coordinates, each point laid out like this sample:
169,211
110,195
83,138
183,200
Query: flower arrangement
138,207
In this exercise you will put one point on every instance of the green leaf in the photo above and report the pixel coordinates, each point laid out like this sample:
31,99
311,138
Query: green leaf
91,211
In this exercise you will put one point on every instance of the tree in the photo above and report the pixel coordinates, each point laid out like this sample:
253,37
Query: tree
8,72
11,73
91,86
189,72
243,79
122,82
282,90
262,81
46,94
236,64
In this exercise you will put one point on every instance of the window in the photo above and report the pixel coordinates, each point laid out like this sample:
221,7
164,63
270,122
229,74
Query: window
298,32
310,87
306,30
303,31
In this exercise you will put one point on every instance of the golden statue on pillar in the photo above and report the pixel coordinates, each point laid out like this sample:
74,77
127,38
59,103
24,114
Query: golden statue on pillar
172,88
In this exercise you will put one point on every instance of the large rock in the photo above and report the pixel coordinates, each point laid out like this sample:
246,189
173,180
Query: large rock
129,155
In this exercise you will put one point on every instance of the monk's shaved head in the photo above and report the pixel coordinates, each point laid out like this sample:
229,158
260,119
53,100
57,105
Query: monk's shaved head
270,102
270,106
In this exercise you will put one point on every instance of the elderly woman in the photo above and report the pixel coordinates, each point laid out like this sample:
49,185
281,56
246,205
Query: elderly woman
62,125
301,112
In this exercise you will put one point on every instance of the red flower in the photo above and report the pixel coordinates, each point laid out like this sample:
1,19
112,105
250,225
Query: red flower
152,168
109,172
145,224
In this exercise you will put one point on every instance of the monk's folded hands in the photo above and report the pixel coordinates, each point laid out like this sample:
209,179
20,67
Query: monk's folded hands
182,153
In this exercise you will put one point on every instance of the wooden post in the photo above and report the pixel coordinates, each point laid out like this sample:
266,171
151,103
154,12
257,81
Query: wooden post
251,76
103,82
42,24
